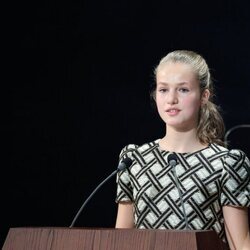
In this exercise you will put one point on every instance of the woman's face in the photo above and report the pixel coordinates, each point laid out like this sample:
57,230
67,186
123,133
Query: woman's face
178,95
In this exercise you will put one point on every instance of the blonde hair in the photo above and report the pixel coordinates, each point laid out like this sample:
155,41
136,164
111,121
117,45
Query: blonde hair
211,127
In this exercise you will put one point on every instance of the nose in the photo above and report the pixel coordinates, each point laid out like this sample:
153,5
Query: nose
172,97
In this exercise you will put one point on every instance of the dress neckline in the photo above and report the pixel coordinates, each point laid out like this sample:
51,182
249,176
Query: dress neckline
178,153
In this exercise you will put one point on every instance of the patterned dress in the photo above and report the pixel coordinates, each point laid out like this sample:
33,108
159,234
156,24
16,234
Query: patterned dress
207,180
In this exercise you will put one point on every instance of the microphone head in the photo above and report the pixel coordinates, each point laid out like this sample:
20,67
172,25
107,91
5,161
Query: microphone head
125,163
172,159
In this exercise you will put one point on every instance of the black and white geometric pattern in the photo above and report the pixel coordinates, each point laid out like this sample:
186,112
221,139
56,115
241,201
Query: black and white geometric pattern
208,179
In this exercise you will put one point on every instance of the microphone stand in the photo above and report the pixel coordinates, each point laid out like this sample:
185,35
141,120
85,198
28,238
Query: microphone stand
90,196
123,165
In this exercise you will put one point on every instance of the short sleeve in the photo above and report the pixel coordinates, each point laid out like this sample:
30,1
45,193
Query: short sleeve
235,185
124,186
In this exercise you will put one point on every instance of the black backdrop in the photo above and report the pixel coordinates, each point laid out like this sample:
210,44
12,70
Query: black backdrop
82,73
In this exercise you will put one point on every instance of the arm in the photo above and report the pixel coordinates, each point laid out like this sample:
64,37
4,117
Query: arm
237,228
125,215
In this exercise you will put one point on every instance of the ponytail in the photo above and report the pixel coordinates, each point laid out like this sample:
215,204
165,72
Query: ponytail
211,126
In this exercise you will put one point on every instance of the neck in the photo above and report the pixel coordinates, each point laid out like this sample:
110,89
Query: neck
181,141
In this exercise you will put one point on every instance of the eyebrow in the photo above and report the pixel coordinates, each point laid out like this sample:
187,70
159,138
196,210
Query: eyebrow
179,84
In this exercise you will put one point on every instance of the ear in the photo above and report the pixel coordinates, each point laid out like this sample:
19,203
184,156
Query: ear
205,96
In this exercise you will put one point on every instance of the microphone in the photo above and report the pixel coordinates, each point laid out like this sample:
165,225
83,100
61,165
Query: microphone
172,160
126,163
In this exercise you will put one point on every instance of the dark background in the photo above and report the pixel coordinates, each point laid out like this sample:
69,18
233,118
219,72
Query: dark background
81,74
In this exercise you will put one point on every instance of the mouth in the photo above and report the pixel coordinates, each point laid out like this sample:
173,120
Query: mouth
172,111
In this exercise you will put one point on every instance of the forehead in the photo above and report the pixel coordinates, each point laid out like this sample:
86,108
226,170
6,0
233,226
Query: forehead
175,72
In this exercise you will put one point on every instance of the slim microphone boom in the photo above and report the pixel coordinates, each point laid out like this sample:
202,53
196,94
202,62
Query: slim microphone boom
126,163
172,160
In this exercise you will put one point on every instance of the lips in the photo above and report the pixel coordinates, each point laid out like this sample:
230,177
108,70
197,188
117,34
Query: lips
172,111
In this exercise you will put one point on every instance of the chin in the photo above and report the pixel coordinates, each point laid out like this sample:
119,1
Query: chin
180,126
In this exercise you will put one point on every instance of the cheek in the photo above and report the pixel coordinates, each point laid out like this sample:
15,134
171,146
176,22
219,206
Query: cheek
158,101
160,107
192,104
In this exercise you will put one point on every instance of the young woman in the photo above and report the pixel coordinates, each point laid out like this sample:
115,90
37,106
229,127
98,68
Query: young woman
209,186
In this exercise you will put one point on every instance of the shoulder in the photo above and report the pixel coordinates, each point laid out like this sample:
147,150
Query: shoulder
233,159
215,152
131,149
236,179
231,156
237,164
235,155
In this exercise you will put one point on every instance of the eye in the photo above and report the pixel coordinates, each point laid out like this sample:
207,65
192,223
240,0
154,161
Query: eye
162,90
184,90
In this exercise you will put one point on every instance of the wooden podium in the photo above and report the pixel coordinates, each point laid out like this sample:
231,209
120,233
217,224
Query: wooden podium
109,239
